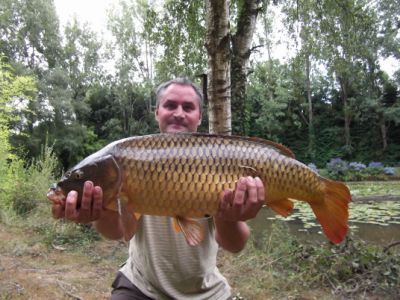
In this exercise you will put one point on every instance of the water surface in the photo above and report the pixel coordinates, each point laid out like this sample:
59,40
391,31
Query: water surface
377,223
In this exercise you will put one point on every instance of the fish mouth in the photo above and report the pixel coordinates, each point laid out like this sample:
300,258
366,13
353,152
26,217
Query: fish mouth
55,194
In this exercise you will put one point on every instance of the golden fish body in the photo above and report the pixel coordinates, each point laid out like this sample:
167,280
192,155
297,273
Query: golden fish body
183,175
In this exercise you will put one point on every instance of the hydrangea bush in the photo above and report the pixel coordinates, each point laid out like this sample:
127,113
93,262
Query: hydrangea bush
313,167
340,169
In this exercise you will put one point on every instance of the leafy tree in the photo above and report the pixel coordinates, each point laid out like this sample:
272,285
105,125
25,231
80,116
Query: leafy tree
81,60
346,27
269,99
29,31
181,30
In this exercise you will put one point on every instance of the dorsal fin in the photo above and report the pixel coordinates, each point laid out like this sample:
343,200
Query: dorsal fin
278,147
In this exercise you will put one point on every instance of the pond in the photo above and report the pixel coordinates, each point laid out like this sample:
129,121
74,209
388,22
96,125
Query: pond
374,222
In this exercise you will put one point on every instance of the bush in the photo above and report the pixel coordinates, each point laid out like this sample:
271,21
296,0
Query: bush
389,171
25,187
339,169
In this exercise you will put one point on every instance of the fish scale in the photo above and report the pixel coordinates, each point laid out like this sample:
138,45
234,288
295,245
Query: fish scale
195,153
183,176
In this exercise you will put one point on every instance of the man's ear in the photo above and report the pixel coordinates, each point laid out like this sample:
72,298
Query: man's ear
156,114
199,123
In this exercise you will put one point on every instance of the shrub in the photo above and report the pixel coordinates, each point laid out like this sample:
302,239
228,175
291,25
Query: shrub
389,171
375,168
27,186
357,166
337,168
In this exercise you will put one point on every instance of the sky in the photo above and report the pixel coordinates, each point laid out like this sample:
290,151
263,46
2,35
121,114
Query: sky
93,12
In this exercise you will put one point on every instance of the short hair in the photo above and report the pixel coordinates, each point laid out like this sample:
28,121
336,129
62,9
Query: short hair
180,81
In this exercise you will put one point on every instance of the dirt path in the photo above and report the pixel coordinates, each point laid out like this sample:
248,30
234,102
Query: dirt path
31,270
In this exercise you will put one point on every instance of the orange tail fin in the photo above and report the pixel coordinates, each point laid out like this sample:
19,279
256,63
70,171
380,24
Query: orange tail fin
332,213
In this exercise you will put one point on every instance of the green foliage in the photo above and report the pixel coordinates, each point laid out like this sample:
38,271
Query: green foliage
181,29
12,88
15,93
27,186
29,32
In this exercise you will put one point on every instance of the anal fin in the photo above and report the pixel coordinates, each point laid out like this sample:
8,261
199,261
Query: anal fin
282,206
128,222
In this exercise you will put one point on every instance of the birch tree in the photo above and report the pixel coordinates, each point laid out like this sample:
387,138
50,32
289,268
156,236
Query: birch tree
228,61
219,64
241,51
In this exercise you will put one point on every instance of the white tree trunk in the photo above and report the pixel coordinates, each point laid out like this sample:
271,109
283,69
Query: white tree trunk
219,67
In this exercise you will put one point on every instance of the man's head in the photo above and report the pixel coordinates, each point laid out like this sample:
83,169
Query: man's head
178,106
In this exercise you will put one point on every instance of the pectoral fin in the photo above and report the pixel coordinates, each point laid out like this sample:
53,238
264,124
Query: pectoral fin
127,220
191,229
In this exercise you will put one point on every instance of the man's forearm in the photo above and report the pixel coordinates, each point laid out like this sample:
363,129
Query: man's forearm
109,225
231,235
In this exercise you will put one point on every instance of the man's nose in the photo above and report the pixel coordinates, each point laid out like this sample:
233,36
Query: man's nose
178,113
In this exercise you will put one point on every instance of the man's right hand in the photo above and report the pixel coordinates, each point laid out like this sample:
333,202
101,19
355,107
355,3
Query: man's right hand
91,206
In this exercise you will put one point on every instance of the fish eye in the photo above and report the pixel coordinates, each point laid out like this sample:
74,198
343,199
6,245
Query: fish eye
78,174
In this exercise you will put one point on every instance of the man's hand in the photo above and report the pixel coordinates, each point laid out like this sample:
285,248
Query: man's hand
244,202
90,209
236,207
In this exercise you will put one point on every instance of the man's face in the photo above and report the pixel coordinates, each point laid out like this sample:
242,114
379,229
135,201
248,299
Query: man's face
179,110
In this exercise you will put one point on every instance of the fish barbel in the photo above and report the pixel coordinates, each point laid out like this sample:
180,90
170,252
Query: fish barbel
183,175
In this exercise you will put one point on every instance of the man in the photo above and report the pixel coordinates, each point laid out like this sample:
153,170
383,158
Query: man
161,265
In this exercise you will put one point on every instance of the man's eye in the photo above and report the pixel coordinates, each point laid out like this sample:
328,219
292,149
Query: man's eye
170,106
188,108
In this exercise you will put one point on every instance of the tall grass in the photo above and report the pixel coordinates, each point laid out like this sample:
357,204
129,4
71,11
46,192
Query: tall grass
23,201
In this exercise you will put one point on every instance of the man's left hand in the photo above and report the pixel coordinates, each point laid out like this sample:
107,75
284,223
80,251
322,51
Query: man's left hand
244,202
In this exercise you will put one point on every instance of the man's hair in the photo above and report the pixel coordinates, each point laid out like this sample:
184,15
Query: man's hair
180,81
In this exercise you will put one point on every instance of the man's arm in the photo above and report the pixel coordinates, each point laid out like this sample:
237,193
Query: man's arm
236,207
107,222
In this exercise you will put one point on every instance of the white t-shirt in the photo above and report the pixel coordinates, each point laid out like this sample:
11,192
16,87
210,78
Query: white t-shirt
163,266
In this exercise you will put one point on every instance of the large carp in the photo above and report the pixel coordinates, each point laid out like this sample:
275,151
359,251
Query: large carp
183,175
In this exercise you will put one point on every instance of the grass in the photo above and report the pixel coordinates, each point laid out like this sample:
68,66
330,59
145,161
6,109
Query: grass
368,188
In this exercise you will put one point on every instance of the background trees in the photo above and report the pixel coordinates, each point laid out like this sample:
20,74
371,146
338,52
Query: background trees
329,98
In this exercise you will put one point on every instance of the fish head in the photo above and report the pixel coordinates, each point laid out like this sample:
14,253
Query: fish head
103,171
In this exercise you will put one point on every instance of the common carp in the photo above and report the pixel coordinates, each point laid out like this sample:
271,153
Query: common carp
182,176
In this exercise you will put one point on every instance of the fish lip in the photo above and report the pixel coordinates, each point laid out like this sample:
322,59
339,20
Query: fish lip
55,193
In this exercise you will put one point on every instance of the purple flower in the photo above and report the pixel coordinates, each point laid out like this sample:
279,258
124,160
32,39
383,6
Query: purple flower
357,166
337,166
389,171
375,164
